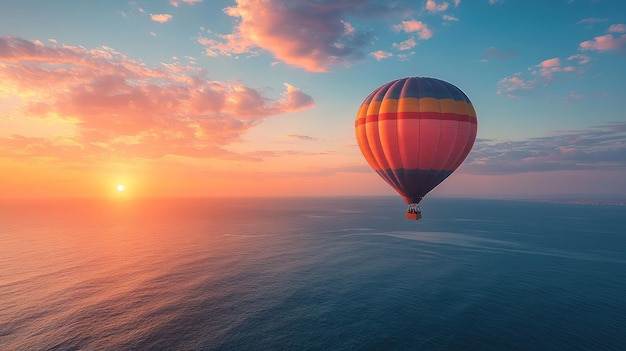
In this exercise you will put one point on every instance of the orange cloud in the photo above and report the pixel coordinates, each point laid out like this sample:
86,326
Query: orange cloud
122,108
161,18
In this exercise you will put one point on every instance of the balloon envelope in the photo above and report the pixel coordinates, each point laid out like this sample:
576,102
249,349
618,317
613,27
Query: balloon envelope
414,132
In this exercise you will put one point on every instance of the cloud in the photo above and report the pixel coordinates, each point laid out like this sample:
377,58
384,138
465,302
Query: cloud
542,74
312,35
592,20
413,26
120,107
548,67
493,2
582,59
433,7
548,70
380,55
161,18
598,148
617,28
513,84
299,137
605,43
405,45
177,3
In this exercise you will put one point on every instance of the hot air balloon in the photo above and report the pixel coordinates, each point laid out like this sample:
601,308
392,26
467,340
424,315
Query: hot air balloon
414,132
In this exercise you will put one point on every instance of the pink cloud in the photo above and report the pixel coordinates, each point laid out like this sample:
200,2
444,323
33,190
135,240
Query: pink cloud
120,106
380,55
161,18
605,43
542,74
413,26
617,28
548,67
307,34
405,45
433,7
508,85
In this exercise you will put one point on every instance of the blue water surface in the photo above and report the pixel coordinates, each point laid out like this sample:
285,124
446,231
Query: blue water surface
311,274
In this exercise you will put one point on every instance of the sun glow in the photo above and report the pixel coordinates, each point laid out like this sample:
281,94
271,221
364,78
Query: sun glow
120,187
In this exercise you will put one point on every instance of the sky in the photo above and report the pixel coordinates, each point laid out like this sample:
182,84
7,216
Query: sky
258,97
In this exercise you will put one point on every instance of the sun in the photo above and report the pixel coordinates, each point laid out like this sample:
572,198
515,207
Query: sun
120,187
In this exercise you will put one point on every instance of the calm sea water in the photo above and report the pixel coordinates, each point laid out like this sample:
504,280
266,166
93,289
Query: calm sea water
311,274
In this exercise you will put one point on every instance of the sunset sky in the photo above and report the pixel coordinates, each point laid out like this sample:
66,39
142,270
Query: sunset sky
259,97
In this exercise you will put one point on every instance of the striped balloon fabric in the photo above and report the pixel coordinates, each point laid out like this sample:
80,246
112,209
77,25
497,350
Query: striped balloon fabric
414,132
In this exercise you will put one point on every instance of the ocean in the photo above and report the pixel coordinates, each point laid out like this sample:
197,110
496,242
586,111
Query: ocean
311,274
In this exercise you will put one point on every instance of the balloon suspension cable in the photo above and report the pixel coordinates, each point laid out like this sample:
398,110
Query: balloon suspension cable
414,208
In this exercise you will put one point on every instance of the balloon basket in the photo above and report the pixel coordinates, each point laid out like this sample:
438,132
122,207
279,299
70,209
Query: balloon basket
414,212
413,216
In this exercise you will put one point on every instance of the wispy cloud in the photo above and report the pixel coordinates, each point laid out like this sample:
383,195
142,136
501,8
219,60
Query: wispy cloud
598,148
592,20
120,107
542,74
299,137
161,18
546,71
177,3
